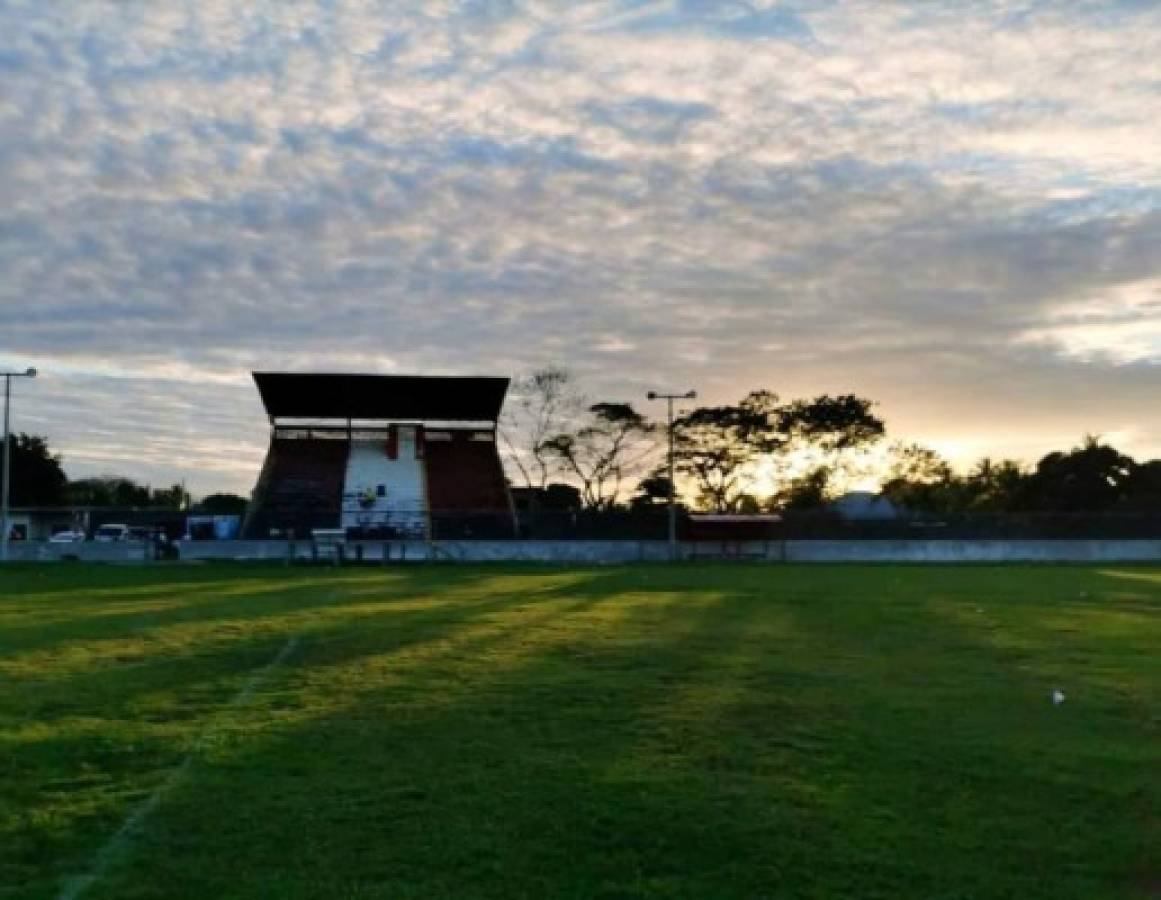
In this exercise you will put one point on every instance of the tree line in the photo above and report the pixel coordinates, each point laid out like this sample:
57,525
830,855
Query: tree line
606,455
612,454
38,479
1090,477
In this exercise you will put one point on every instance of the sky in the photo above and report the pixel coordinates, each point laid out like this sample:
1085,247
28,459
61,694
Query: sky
953,208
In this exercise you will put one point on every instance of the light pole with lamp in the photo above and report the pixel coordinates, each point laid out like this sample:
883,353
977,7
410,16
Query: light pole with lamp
5,525
669,398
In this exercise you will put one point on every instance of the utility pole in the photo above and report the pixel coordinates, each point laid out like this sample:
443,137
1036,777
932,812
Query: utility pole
669,398
5,525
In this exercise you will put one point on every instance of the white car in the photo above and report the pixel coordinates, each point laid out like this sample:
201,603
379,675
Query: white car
67,537
109,534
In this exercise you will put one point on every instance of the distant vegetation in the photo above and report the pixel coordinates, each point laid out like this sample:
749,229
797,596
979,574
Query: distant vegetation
1092,477
551,430
552,433
39,479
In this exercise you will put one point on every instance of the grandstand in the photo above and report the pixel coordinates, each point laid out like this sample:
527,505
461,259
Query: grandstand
381,457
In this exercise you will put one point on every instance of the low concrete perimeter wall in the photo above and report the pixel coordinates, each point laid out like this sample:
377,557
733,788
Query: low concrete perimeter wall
973,551
466,551
226,550
621,551
643,551
128,551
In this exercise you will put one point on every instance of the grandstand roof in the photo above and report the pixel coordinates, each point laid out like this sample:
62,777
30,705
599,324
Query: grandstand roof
419,398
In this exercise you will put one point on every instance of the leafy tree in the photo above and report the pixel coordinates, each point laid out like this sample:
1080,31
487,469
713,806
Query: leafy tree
113,491
832,432
610,445
173,497
223,505
542,406
37,478
652,490
810,490
1143,489
918,478
747,504
916,464
1088,478
1093,477
560,498
831,424
715,446
719,447
995,486
108,492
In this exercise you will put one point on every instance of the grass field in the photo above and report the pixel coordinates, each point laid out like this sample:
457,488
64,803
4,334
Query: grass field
709,731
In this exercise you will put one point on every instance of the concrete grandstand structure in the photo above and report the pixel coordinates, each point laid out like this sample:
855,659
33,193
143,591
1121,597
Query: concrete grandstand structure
381,456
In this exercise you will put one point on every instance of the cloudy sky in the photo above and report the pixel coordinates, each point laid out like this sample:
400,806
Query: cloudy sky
954,208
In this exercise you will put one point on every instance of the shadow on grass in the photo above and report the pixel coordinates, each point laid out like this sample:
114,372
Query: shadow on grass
948,713
125,744
86,613
553,763
690,732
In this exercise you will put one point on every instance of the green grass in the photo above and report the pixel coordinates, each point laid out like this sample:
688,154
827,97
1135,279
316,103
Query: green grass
701,731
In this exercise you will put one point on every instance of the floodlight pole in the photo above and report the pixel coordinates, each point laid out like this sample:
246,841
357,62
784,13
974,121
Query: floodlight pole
5,525
669,398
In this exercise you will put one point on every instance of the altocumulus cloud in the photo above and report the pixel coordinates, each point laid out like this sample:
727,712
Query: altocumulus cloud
951,207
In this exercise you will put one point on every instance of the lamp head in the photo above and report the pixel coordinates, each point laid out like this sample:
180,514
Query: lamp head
692,395
31,373
652,395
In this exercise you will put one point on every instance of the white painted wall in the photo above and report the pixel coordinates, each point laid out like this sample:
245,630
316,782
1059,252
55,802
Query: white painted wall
404,505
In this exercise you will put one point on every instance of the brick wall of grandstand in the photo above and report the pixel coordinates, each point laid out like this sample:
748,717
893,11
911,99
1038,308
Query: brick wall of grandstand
300,488
466,490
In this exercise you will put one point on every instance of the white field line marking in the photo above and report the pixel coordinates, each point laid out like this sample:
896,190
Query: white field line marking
76,885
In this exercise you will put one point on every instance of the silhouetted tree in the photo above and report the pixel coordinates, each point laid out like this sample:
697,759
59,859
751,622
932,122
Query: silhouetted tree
652,490
995,486
1088,478
126,493
560,497
919,479
831,424
1143,489
811,490
715,446
37,476
108,492
172,497
222,505
611,444
1092,477
719,447
916,464
542,406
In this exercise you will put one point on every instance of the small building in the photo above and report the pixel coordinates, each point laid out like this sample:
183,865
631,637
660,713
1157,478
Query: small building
41,523
863,506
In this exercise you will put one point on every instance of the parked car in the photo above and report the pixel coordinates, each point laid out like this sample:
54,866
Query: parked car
67,537
109,534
